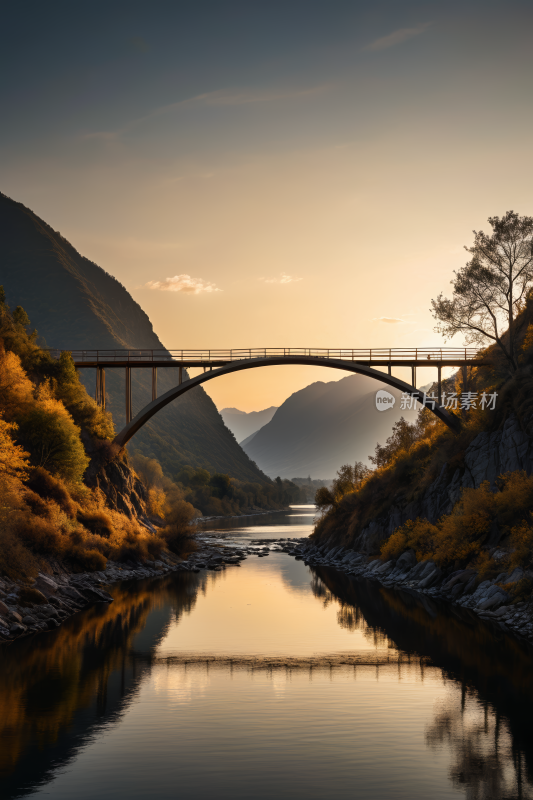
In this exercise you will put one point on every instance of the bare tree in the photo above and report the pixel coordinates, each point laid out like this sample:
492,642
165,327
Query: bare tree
490,290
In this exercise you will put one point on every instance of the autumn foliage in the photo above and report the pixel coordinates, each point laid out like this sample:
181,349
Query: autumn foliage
47,513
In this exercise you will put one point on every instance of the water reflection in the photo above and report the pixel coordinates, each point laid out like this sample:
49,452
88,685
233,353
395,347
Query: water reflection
58,690
484,760
295,523
489,732
66,692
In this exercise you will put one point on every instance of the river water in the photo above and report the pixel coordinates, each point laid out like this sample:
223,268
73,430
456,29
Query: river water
269,680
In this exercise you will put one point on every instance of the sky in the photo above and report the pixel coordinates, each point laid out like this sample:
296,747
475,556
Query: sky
271,174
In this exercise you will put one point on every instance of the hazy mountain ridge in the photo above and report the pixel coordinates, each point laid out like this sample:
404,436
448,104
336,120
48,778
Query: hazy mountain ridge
244,424
75,304
320,428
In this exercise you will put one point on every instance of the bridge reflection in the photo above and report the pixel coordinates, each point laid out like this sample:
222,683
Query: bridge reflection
80,679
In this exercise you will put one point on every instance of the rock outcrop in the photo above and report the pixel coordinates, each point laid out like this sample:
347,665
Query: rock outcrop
488,456
123,490
110,472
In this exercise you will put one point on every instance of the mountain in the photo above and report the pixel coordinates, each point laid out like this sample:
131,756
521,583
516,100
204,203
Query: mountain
75,304
243,424
248,439
320,428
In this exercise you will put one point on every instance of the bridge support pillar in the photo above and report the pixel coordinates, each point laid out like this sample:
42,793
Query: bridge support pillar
439,384
129,414
154,383
465,377
390,368
100,386
413,376
181,375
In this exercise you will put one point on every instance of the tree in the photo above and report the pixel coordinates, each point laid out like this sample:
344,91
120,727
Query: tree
149,471
490,290
52,438
20,317
349,479
403,436
221,485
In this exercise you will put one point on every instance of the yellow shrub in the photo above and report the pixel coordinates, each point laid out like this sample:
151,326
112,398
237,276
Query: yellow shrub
456,536
16,389
156,502
13,458
527,344
397,543
522,543
460,535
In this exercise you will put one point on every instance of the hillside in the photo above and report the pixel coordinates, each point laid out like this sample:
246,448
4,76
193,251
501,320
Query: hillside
460,501
74,303
320,428
242,424
69,500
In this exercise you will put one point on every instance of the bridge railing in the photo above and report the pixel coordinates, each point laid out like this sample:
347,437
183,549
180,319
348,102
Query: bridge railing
420,354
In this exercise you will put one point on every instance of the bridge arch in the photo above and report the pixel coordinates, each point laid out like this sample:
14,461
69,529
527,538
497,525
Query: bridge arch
122,438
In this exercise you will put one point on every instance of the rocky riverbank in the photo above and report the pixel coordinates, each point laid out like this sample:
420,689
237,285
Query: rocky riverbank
490,600
27,610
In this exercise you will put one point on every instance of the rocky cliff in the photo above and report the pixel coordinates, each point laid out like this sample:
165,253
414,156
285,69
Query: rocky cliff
488,456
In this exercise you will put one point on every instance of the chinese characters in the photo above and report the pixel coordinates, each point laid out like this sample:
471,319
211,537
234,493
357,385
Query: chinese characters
457,401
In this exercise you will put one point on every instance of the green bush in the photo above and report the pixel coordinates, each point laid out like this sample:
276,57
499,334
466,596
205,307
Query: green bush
54,443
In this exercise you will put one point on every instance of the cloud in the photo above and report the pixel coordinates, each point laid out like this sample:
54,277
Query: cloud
182,283
282,279
397,37
393,320
221,97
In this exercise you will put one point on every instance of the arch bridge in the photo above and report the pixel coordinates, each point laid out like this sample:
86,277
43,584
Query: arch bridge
215,363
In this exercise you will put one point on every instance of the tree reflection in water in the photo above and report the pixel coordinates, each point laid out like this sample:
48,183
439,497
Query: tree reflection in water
58,689
489,733
484,761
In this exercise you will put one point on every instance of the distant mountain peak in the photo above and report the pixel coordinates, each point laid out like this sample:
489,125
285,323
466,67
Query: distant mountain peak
320,428
244,424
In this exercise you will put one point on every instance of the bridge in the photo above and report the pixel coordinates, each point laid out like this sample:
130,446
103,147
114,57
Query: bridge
223,362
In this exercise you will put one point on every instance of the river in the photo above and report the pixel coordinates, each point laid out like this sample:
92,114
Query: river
269,680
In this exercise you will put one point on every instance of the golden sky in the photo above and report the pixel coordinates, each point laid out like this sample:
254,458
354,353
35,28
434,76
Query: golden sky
278,175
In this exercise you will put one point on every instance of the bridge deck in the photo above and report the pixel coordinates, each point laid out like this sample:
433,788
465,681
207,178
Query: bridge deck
214,364
396,357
